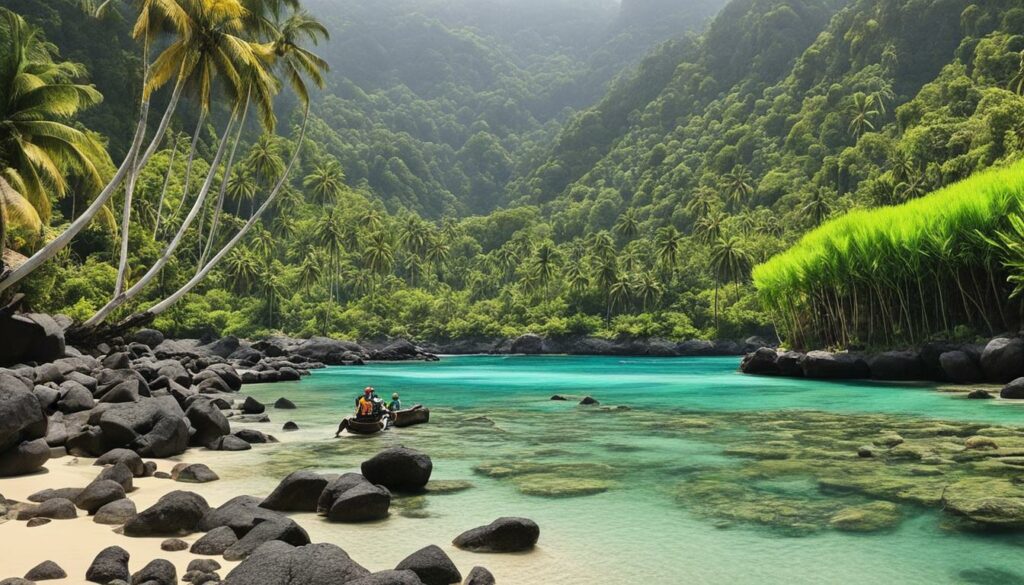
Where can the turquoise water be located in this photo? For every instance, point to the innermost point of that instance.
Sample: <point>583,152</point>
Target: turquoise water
<point>494,426</point>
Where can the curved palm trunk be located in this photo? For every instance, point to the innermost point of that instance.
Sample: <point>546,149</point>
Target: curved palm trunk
<point>169,250</point>
<point>191,284</point>
<point>163,191</point>
<point>223,189</point>
<point>57,244</point>
<point>191,160</point>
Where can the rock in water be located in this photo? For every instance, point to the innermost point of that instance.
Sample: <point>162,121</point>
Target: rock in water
<point>290,426</point>
<point>432,566</point>
<point>1014,390</point>
<point>284,404</point>
<point>175,513</point>
<point>589,401</point>
<point>110,564</point>
<point>979,394</point>
<point>362,503</point>
<point>399,468</point>
<point>528,343</point>
<point>503,535</point>
<point>960,368</point>
<point>896,365</point>
<point>763,362</point>
<point>252,406</point>
<point>298,492</point>
<point>839,366</point>
<point>479,576</point>
<point>277,563</point>
<point>45,571</point>
<point>1003,360</point>
<point>229,443</point>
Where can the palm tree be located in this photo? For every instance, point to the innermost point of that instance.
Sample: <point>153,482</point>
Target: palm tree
<point>242,268</point>
<point>606,274</point>
<point>729,262</point>
<point>15,210</point>
<point>296,62</point>
<point>602,244</point>
<point>310,272</point>
<point>709,228</point>
<point>739,186</point>
<point>273,289</point>
<point>38,95</point>
<point>703,202</point>
<point>545,265</point>
<point>378,255</point>
<point>507,259</point>
<point>438,253</point>
<point>1017,83</point>
<point>619,294</point>
<point>264,160</point>
<point>862,110</point>
<point>817,206</point>
<point>648,289</point>
<point>329,236</point>
<point>326,182</point>
<point>628,224</point>
<point>241,187</point>
<point>667,244</point>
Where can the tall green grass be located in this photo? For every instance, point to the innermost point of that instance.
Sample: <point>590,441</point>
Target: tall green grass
<point>901,274</point>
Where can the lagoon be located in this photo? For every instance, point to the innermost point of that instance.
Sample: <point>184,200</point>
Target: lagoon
<point>691,482</point>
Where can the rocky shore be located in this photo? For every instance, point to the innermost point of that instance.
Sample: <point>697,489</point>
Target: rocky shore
<point>533,344</point>
<point>1000,361</point>
<point>133,403</point>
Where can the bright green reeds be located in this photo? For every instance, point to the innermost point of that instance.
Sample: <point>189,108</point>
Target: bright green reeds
<point>899,275</point>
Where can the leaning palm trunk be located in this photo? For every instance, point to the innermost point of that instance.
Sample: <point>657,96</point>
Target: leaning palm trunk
<point>163,305</point>
<point>125,296</point>
<point>57,244</point>
<point>223,189</point>
<point>163,191</point>
<point>191,161</point>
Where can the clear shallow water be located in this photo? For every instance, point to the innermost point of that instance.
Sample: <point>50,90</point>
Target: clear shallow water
<point>493,414</point>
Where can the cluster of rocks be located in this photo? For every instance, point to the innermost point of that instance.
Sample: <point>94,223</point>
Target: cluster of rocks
<point>531,343</point>
<point>1000,361</point>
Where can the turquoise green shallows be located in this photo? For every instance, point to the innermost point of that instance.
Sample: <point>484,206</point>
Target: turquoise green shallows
<point>613,489</point>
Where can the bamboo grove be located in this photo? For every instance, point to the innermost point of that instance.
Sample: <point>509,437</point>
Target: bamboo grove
<point>941,266</point>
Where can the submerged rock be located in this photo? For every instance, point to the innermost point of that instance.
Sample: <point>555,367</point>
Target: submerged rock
<point>503,535</point>
<point>871,517</point>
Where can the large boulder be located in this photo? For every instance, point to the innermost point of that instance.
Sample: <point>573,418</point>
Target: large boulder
<point>240,514</point>
<point>331,352</point>
<point>130,458</point>
<point>156,572</point>
<point>834,366</point>
<point>501,536</point>
<point>45,571</point>
<point>124,423</point>
<point>1003,360</point>
<point>127,391</point>
<point>27,457</point>
<point>116,512</point>
<point>528,343</point>
<point>388,578</point>
<point>298,492</point>
<point>169,437</point>
<point>960,368</point>
<point>109,565</point>
<point>789,364</point>
<point>277,563</point>
<point>174,372</point>
<point>74,398</point>
<point>208,421</point>
<point>432,566</point>
<point>98,494</point>
<point>763,362</point>
<point>479,576</point>
<point>215,542</point>
<point>362,503</point>
<point>21,416</point>
<point>897,366</point>
<point>174,514</point>
<point>1014,390</point>
<point>399,468</point>
<point>252,406</point>
<point>223,347</point>
<point>335,488</point>
<point>150,337</point>
<point>30,337</point>
<point>281,528</point>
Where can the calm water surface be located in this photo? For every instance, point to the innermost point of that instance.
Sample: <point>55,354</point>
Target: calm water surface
<point>494,412</point>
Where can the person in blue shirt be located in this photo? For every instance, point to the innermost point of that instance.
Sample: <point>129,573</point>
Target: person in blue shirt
<point>395,404</point>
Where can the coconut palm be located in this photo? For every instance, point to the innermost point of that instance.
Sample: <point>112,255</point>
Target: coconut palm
<point>817,206</point>
<point>703,202</point>
<point>326,182</point>
<point>739,185</point>
<point>709,227</point>
<point>17,211</point>
<point>668,243</point>
<point>38,96</point>
<point>310,271</point>
<point>648,289</point>
<point>628,224</point>
<point>730,262</point>
<point>862,110</point>
<point>545,265</point>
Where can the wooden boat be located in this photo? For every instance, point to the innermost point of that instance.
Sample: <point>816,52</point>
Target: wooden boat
<point>364,427</point>
<point>412,416</point>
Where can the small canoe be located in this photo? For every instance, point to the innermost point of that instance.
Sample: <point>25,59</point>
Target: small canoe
<point>364,427</point>
<point>412,416</point>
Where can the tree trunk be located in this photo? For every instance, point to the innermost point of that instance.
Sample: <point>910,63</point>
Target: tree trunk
<point>57,244</point>
<point>169,250</point>
<point>191,160</point>
<point>163,191</point>
<point>191,284</point>
<point>223,188</point>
